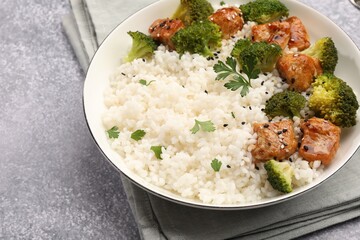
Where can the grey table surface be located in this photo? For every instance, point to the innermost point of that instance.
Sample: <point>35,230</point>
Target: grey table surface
<point>54,182</point>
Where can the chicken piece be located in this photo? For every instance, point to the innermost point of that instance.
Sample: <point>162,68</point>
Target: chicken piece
<point>299,38</point>
<point>320,141</point>
<point>275,32</point>
<point>229,20</point>
<point>274,140</point>
<point>298,70</point>
<point>163,29</point>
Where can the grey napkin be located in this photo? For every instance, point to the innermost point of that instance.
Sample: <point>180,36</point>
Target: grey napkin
<point>335,201</point>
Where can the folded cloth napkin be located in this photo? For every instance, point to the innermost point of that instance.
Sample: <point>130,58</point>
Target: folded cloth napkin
<point>335,201</point>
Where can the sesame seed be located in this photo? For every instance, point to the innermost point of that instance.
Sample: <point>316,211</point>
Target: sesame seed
<point>225,125</point>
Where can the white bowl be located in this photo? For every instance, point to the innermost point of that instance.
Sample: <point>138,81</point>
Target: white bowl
<point>117,44</point>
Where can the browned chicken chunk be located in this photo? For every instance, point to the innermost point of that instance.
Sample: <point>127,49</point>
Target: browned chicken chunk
<point>299,38</point>
<point>321,140</point>
<point>274,140</point>
<point>163,29</point>
<point>229,20</point>
<point>298,70</point>
<point>274,32</point>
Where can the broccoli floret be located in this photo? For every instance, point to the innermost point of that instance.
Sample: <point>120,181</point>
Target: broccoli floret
<point>333,100</point>
<point>287,104</point>
<point>200,37</point>
<point>279,175</point>
<point>142,46</point>
<point>264,11</point>
<point>324,49</point>
<point>266,54</point>
<point>239,46</point>
<point>190,11</point>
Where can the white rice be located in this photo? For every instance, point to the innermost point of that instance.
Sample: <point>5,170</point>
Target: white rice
<point>166,110</point>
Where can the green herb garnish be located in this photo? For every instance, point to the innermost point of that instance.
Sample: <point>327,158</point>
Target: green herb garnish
<point>206,126</point>
<point>233,114</point>
<point>145,83</point>
<point>227,69</point>
<point>113,132</point>
<point>157,151</point>
<point>138,135</point>
<point>222,3</point>
<point>216,164</point>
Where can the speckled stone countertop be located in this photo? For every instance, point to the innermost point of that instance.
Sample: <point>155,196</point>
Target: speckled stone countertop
<point>54,182</point>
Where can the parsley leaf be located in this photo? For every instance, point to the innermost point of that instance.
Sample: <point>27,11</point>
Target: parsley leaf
<point>157,151</point>
<point>145,83</point>
<point>233,114</point>
<point>227,69</point>
<point>216,164</point>
<point>222,3</point>
<point>249,67</point>
<point>113,132</point>
<point>138,135</point>
<point>206,126</point>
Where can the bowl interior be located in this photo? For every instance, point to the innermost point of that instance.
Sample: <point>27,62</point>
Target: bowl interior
<point>117,44</point>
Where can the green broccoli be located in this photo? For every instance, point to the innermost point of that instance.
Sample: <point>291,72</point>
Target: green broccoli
<point>142,46</point>
<point>287,104</point>
<point>324,49</point>
<point>239,46</point>
<point>264,11</point>
<point>333,100</point>
<point>190,11</point>
<point>279,175</point>
<point>266,54</point>
<point>200,37</point>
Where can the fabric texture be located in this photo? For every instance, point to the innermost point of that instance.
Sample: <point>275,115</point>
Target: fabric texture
<point>331,202</point>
